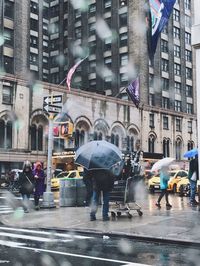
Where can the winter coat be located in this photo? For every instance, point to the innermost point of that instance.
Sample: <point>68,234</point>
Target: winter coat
<point>26,182</point>
<point>102,180</point>
<point>164,178</point>
<point>193,167</point>
<point>39,182</point>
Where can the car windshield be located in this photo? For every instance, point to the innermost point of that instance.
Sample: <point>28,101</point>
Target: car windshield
<point>63,174</point>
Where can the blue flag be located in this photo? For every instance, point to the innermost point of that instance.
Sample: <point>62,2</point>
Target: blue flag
<point>133,91</point>
<point>160,12</point>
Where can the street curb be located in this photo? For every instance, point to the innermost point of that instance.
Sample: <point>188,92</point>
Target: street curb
<point>145,238</point>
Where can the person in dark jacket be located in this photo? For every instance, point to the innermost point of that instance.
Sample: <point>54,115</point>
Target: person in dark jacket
<point>89,189</point>
<point>103,181</point>
<point>39,177</point>
<point>193,177</point>
<point>26,184</point>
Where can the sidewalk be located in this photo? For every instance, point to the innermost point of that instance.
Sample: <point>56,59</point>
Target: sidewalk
<point>181,224</point>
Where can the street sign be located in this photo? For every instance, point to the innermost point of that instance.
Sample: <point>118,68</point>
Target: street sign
<point>54,99</point>
<point>52,108</point>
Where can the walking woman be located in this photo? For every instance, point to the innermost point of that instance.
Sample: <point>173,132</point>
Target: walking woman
<point>26,184</point>
<point>164,178</point>
<point>39,177</point>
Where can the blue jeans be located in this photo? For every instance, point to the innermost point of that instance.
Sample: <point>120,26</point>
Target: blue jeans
<point>193,187</point>
<point>95,202</point>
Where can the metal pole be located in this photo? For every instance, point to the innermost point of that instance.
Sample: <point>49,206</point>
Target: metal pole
<point>48,197</point>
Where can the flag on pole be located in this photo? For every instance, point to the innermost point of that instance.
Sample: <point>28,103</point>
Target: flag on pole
<point>71,72</point>
<point>160,12</point>
<point>133,91</point>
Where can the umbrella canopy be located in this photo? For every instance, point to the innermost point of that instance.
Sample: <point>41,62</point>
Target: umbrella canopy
<point>98,155</point>
<point>162,163</point>
<point>191,153</point>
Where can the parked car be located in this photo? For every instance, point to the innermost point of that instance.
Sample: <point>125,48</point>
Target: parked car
<point>175,177</point>
<point>55,182</point>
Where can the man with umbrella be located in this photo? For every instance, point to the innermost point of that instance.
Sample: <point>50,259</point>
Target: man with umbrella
<point>193,177</point>
<point>98,157</point>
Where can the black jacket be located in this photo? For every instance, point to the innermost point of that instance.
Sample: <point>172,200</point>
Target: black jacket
<point>26,182</point>
<point>102,180</point>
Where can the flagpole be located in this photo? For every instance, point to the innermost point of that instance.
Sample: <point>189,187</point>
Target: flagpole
<point>62,81</point>
<point>119,92</point>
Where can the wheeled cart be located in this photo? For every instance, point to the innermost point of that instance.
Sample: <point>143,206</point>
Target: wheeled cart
<point>122,198</point>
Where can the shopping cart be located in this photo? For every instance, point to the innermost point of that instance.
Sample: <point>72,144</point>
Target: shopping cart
<point>122,198</point>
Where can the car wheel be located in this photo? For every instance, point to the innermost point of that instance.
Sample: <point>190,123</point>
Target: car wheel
<point>151,190</point>
<point>174,188</point>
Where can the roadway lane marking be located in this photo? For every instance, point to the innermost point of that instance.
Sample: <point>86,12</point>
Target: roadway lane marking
<point>20,198</point>
<point>7,243</point>
<point>46,233</point>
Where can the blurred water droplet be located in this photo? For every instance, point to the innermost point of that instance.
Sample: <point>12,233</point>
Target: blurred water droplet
<point>125,246</point>
<point>80,4</point>
<point>18,214</point>
<point>102,29</point>
<point>1,40</point>
<point>38,88</point>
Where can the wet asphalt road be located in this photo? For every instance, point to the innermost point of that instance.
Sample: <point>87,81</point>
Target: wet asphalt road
<point>39,247</point>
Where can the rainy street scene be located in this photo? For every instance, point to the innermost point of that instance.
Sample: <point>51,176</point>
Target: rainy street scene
<point>99,132</point>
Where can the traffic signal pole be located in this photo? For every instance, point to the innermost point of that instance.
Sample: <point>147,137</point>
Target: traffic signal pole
<point>48,197</point>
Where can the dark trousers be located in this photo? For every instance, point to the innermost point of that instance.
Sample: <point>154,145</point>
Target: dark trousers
<point>36,199</point>
<point>95,202</point>
<point>193,188</point>
<point>164,192</point>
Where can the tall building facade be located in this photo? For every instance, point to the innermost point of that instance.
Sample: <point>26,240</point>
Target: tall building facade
<point>42,39</point>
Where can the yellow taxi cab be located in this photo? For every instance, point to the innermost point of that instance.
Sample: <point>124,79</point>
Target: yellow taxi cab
<point>175,177</point>
<point>55,182</point>
<point>183,187</point>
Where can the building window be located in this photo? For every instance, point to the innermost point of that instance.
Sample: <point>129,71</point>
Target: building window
<point>177,86</point>
<point>151,120</point>
<point>151,99</point>
<point>166,143</point>
<point>123,59</point>
<point>34,41</point>
<point>165,102</point>
<point>190,127</point>
<point>178,149</point>
<point>188,91</point>
<point>187,4</point>
<point>123,39</point>
<point>92,28</point>
<point>177,106</point>
<point>176,33</point>
<point>107,82</point>
<point>189,108</point>
<point>8,37</point>
<point>176,15</point>
<point>165,29</point>
<point>107,4</point>
<point>107,44</point>
<point>9,9</point>
<point>92,83</point>
<point>165,84</point>
<point>34,24</point>
<point>92,66</point>
<point>177,51</point>
<point>7,95</point>
<point>151,144</point>
<point>115,139</point>
<point>108,61</point>
<point>58,144</point>
<point>188,55</point>
<point>123,79</point>
<point>188,72</point>
<point>151,80</point>
<point>164,46</point>
<point>187,21</point>
<point>92,8</point>
<point>78,33</point>
<point>187,38</point>
<point>5,134</point>
<point>165,65</point>
<point>9,64</point>
<point>177,69</point>
<point>33,59</point>
<point>178,124</point>
<point>165,122</point>
<point>36,137</point>
<point>123,20</point>
<point>34,7</point>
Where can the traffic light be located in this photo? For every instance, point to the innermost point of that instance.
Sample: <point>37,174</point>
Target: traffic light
<point>66,129</point>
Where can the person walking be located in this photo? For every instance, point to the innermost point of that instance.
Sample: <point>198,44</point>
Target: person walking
<point>88,184</point>
<point>103,181</point>
<point>193,177</point>
<point>26,184</point>
<point>164,178</point>
<point>39,177</point>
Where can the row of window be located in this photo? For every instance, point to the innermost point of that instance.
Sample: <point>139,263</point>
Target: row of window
<point>177,69</point>
<point>166,104</point>
<point>178,123</point>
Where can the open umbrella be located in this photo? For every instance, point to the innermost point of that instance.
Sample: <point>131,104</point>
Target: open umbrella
<point>162,163</point>
<point>98,154</point>
<point>191,153</point>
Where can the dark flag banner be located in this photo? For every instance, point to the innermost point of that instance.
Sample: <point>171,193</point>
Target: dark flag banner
<point>133,91</point>
<point>160,13</point>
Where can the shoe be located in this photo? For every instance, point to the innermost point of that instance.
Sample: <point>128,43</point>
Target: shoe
<point>26,211</point>
<point>106,218</point>
<point>37,208</point>
<point>193,204</point>
<point>92,218</point>
<point>196,202</point>
<point>168,205</point>
<point>158,205</point>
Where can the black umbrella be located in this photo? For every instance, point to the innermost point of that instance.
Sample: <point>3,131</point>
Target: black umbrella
<point>98,155</point>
